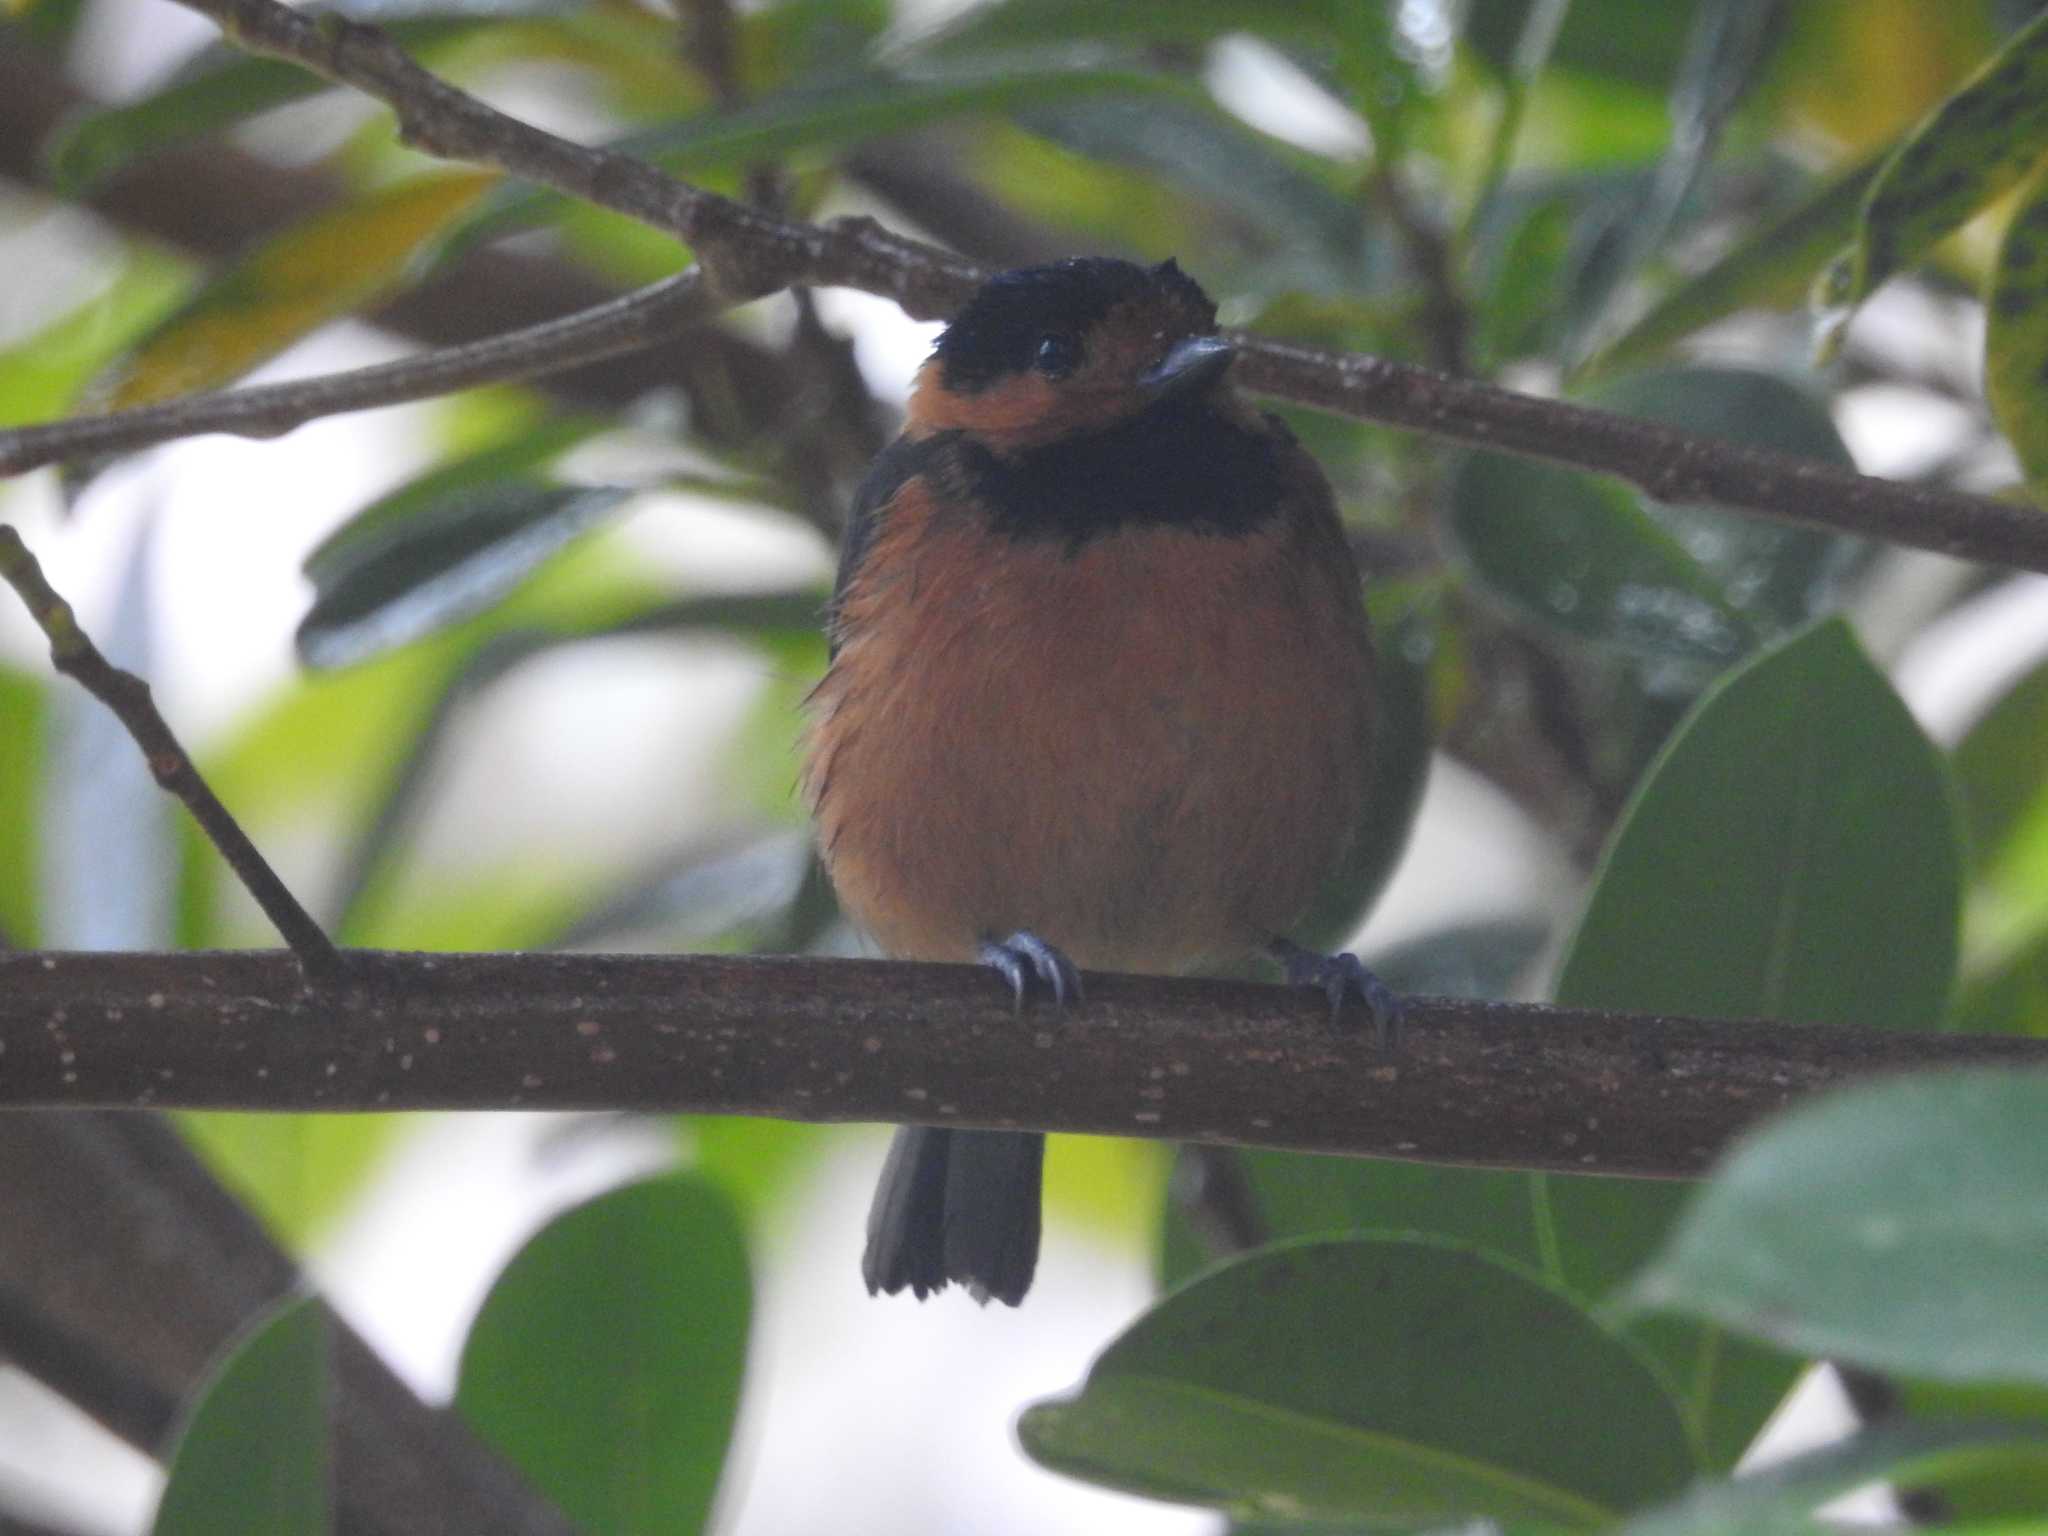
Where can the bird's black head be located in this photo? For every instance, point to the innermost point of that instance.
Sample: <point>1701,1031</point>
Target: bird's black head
<point>1072,346</point>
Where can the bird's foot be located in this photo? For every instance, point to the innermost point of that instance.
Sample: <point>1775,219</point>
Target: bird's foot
<point>1026,961</point>
<point>1341,976</point>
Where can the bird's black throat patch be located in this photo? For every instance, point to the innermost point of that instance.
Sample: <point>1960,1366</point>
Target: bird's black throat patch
<point>1183,464</point>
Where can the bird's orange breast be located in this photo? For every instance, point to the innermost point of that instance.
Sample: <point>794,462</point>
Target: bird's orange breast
<point>1148,750</point>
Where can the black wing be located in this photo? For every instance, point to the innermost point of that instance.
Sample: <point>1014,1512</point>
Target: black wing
<point>901,461</point>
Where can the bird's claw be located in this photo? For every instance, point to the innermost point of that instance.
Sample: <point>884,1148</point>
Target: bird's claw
<point>1025,960</point>
<point>1342,976</point>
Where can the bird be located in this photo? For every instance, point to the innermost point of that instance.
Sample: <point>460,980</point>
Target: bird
<point>1100,695</point>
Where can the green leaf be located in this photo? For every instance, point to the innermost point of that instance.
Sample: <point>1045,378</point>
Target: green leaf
<point>299,1172</point>
<point>756,1161</point>
<point>1521,315</point>
<point>1388,1380</point>
<point>1777,576</point>
<point>2008,995</point>
<point>442,558</point>
<point>1783,1496</point>
<point>24,709</point>
<point>2016,338</point>
<point>1898,1225</point>
<point>1771,268</point>
<point>1579,553</point>
<point>224,86</point>
<point>1620,40</point>
<point>2014,1484</point>
<point>606,1361</point>
<point>42,375</point>
<point>1999,767</point>
<point>1974,146</point>
<point>252,1454</point>
<point>1793,854</point>
<point>1038,23</point>
<point>1312,229</point>
<point>2004,783</point>
<point>1725,48</point>
<point>319,270</point>
<point>1377,76</point>
<point>837,112</point>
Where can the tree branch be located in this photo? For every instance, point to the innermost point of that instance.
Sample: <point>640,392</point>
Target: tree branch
<point>127,1270</point>
<point>746,253</point>
<point>624,324</point>
<point>73,653</point>
<point>836,1040</point>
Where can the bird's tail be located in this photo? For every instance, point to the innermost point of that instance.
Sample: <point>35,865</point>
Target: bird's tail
<point>956,1205</point>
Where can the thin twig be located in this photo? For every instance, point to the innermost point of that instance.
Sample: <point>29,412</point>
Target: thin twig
<point>1446,321</point>
<point>1497,1084</point>
<point>746,253</point>
<point>622,325</point>
<point>73,653</point>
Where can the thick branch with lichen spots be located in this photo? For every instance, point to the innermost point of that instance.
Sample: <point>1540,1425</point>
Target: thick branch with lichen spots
<point>1497,1084</point>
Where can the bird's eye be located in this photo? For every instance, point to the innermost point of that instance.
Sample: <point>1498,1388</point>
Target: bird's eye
<point>1056,356</point>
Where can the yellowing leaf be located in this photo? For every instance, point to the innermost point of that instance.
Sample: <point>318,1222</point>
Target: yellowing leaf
<point>329,266</point>
<point>1837,48</point>
<point>1977,144</point>
<point>2016,345</point>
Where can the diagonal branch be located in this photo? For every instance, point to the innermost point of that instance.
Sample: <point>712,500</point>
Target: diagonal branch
<point>1498,1084</point>
<point>128,696</point>
<point>746,252</point>
<point>625,324</point>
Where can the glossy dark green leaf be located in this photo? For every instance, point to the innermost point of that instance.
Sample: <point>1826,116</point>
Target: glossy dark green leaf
<point>1772,268</point>
<point>1580,554</point>
<point>1777,576</point>
<point>1384,1380</point>
<point>23,718</point>
<point>1793,854</point>
<point>2016,342</point>
<point>1784,1496</point>
<point>253,1452</point>
<point>606,1361</point>
<point>451,557</point>
<point>1800,834</point>
<point>1897,1225</point>
<point>393,518</point>
<point>1974,146</point>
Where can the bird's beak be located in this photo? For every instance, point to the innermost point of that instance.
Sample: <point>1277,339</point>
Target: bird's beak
<point>1190,365</point>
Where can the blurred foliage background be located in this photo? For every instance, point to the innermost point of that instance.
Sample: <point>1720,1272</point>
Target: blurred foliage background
<point>520,669</point>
